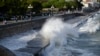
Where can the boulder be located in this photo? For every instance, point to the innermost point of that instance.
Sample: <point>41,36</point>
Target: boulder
<point>38,42</point>
<point>5,52</point>
<point>30,50</point>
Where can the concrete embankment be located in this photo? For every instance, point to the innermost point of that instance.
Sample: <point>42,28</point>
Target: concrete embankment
<point>15,28</point>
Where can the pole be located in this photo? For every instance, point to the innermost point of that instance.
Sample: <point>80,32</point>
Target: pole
<point>30,7</point>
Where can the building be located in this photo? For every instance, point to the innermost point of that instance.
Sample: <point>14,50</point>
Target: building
<point>88,3</point>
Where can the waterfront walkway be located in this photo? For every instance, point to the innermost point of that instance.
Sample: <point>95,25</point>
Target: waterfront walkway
<point>14,21</point>
<point>35,18</point>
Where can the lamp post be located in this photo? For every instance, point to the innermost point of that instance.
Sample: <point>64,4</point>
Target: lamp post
<point>64,8</point>
<point>72,8</point>
<point>52,7</point>
<point>30,7</point>
<point>79,0</point>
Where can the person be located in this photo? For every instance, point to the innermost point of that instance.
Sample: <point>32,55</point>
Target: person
<point>4,22</point>
<point>16,19</point>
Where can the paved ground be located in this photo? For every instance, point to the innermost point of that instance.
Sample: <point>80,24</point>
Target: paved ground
<point>11,22</point>
<point>14,21</point>
<point>34,18</point>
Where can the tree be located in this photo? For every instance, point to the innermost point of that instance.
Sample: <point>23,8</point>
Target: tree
<point>3,8</point>
<point>13,7</point>
<point>16,7</point>
<point>37,6</point>
<point>79,5</point>
<point>23,7</point>
<point>60,3</point>
<point>46,5</point>
<point>55,3</point>
<point>2,3</point>
<point>49,3</point>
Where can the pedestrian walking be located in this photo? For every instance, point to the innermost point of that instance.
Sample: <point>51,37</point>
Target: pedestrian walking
<point>4,22</point>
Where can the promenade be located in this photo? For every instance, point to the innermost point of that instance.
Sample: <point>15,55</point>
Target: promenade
<point>36,18</point>
<point>18,21</point>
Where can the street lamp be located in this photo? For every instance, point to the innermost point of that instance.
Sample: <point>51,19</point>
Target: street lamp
<point>30,7</point>
<point>52,7</point>
<point>64,8</point>
<point>79,0</point>
<point>72,8</point>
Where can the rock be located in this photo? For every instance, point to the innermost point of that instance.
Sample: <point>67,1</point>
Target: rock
<point>35,45</point>
<point>30,50</point>
<point>5,52</point>
<point>18,53</point>
<point>38,42</point>
<point>75,53</point>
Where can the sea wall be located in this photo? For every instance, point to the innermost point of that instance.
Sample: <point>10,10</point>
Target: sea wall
<point>15,28</point>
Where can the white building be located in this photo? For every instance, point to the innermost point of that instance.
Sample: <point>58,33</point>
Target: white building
<point>87,3</point>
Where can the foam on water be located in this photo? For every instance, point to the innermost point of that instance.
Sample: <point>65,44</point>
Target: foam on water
<point>81,52</point>
<point>18,41</point>
<point>92,24</point>
<point>58,32</point>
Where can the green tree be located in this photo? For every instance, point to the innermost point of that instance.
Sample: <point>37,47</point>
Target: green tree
<point>60,3</point>
<point>79,5</point>
<point>46,5</point>
<point>11,5</point>
<point>72,3</point>
<point>16,7</point>
<point>2,3</point>
<point>22,7</point>
<point>49,3</point>
<point>37,6</point>
<point>55,3</point>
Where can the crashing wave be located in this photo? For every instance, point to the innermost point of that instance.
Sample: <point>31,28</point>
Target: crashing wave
<point>58,32</point>
<point>92,24</point>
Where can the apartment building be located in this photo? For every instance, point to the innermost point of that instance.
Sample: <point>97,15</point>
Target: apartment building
<point>87,3</point>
